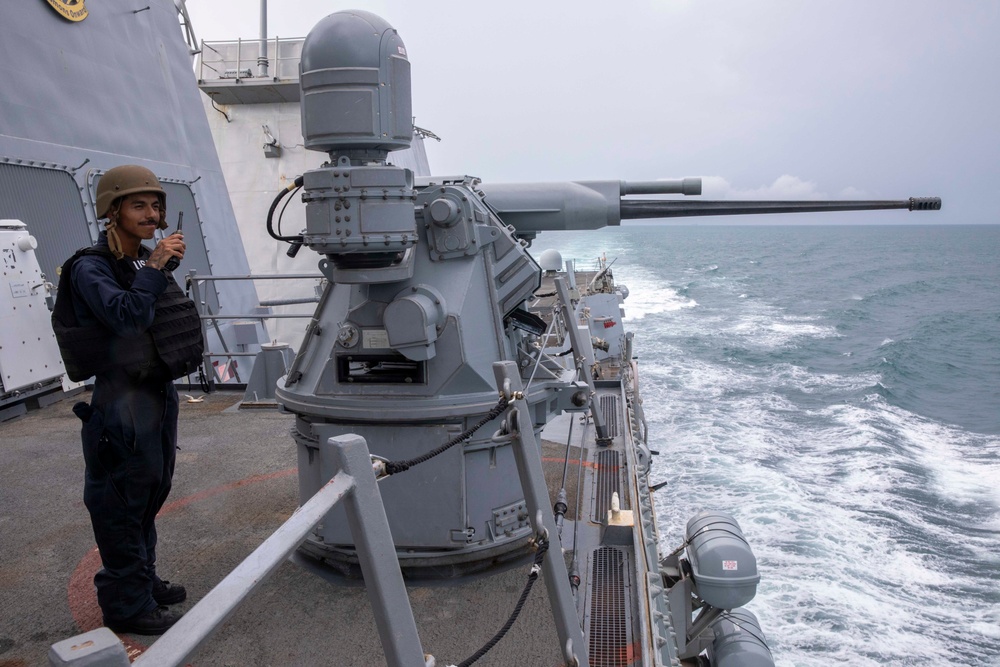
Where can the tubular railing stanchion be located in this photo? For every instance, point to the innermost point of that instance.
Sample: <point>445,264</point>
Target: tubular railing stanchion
<point>536,496</point>
<point>583,352</point>
<point>196,297</point>
<point>376,553</point>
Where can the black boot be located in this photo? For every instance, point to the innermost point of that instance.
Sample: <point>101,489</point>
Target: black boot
<point>166,593</point>
<point>154,622</point>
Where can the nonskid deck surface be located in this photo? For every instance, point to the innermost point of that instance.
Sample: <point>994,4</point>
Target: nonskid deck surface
<point>234,485</point>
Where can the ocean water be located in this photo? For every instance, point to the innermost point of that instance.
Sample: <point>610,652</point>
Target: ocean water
<point>837,389</point>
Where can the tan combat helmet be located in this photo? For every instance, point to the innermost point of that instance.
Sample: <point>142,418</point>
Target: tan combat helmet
<point>118,182</point>
<point>128,179</point>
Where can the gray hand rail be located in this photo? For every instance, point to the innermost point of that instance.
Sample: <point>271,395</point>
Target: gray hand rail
<point>354,485</point>
<point>208,318</point>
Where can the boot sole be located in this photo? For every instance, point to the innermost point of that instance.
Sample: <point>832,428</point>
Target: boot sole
<point>165,600</point>
<point>137,630</point>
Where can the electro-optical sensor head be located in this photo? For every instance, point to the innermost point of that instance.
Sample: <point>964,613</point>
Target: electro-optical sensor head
<point>355,82</point>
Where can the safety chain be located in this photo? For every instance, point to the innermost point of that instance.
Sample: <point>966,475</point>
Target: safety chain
<point>536,567</point>
<point>392,467</point>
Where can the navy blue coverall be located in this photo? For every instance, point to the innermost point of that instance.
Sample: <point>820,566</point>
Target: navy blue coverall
<point>129,437</point>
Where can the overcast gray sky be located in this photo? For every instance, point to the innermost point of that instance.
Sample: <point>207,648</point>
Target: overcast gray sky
<point>770,98</point>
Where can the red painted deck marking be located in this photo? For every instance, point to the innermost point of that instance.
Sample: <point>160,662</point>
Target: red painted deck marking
<point>80,592</point>
<point>556,459</point>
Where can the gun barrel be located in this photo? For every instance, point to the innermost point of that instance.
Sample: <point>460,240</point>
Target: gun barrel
<point>646,209</point>
<point>681,186</point>
<point>537,207</point>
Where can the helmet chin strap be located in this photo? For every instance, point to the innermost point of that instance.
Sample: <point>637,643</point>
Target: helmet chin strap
<point>162,224</point>
<point>114,242</point>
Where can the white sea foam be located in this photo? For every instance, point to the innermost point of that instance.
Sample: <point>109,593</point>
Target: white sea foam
<point>845,576</point>
<point>802,379</point>
<point>764,326</point>
<point>962,469</point>
<point>648,296</point>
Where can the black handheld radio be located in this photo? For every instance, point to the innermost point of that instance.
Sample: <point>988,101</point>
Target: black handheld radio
<point>174,262</point>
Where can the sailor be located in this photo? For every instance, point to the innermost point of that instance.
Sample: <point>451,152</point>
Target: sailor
<point>135,331</point>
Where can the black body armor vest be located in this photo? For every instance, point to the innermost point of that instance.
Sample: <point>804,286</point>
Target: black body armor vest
<point>170,348</point>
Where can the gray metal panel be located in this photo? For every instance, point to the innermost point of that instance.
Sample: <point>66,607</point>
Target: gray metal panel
<point>48,202</point>
<point>250,91</point>
<point>180,198</point>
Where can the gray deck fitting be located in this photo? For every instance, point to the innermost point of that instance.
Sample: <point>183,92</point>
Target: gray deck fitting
<point>536,496</point>
<point>99,647</point>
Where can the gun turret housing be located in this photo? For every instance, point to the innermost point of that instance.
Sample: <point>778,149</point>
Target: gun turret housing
<point>429,280</point>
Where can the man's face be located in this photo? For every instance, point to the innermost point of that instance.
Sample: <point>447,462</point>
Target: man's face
<point>138,217</point>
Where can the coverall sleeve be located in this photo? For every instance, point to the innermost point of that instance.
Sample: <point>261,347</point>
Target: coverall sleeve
<point>129,312</point>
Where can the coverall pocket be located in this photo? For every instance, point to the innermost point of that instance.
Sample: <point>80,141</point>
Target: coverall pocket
<point>104,454</point>
<point>91,435</point>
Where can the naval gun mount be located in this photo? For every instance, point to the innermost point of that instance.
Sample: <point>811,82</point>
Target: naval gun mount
<point>428,285</point>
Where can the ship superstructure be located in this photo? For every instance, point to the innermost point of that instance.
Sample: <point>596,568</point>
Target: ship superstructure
<point>78,98</point>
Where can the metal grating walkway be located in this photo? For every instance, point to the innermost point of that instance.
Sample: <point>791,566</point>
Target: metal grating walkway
<point>610,638</point>
<point>609,409</point>
<point>608,483</point>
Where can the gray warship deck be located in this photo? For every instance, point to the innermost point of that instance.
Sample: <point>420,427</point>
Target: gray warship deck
<point>234,485</point>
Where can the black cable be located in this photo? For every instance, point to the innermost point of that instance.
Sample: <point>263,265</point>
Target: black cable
<point>392,467</point>
<point>297,183</point>
<point>228,119</point>
<point>708,526</point>
<point>202,380</point>
<point>284,206</point>
<point>536,567</point>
